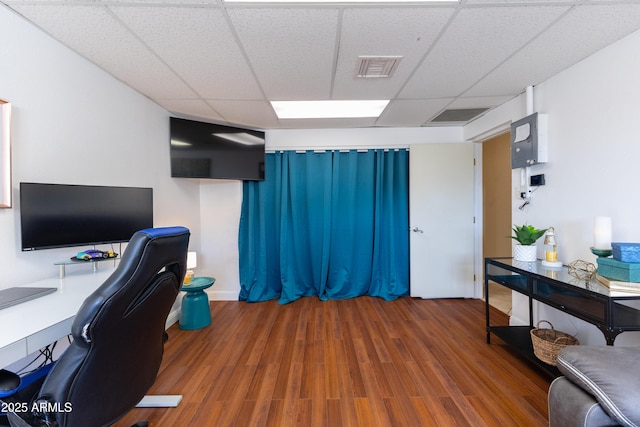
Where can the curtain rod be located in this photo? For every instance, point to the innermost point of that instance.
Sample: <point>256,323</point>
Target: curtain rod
<point>342,150</point>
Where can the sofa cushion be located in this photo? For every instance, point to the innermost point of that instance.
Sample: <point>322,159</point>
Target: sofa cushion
<point>571,406</point>
<point>610,374</point>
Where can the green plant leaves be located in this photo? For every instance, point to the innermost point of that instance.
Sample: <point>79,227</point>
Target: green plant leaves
<point>527,234</point>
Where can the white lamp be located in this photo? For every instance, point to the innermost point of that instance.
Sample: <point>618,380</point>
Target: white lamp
<point>602,237</point>
<point>602,233</point>
<point>192,262</point>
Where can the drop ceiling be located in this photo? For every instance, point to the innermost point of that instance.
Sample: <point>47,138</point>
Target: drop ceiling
<point>224,63</point>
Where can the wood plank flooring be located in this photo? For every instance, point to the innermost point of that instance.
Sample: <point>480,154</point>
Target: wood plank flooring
<point>358,362</point>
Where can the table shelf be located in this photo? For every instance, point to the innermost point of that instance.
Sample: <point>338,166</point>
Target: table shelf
<point>612,312</point>
<point>92,262</point>
<point>519,338</point>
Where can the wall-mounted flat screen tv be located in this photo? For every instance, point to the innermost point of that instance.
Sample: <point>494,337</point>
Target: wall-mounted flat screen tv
<point>60,215</point>
<point>207,150</point>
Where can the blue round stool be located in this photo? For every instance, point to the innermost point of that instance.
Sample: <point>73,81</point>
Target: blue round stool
<point>196,312</point>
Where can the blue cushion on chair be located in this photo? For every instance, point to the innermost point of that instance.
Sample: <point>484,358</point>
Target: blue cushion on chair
<point>164,231</point>
<point>610,374</point>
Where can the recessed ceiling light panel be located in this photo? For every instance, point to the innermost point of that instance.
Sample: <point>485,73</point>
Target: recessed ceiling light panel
<point>328,109</point>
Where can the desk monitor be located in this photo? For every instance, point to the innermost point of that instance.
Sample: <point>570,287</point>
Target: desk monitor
<point>60,215</point>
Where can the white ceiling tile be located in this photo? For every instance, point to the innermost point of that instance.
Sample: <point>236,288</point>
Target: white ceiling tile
<point>190,108</point>
<point>479,101</point>
<point>361,122</point>
<point>110,2</point>
<point>477,39</point>
<point>411,112</point>
<point>583,31</point>
<point>516,2</point>
<point>406,32</point>
<point>198,45</point>
<point>163,2</point>
<point>291,50</point>
<point>256,114</point>
<point>94,33</point>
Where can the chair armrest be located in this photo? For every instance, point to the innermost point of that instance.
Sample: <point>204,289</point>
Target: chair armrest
<point>610,374</point>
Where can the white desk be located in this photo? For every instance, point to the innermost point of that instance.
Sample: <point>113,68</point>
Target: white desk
<point>27,327</point>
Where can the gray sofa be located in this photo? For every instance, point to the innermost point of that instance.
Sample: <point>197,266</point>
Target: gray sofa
<point>600,387</point>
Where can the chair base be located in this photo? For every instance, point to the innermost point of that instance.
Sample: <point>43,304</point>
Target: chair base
<point>160,401</point>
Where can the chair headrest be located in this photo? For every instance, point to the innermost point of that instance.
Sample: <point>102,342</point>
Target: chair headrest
<point>164,231</point>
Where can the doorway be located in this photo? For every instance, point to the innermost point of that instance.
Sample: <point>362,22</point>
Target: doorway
<point>496,209</point>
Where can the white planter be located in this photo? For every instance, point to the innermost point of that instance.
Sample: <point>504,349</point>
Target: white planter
<point>525,253</point>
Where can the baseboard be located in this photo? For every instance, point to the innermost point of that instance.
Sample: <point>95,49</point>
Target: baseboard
<point>514,321</point>
<point>222,295</point>
<point>173,317</point>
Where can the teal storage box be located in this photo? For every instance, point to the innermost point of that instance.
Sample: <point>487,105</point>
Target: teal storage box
<point>618,270</point>
<point>626,252</point>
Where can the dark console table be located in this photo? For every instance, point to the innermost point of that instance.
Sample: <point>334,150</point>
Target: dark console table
<point>611,311</point>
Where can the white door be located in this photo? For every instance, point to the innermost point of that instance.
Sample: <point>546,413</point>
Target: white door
<point>441,220</point>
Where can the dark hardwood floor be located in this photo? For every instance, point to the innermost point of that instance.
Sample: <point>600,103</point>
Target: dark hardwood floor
<point>358,362</point>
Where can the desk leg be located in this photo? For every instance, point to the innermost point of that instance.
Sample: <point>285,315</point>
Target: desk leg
<point>530,312</point>
<point>609,334</point>
<point>486,308</point>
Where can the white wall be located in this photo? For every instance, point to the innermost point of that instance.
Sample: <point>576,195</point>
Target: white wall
<point>594,147</point>
<point>72,123</point>
<point>221,200</point>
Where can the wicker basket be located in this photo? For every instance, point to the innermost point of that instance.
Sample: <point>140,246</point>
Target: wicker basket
<point>547,343</point>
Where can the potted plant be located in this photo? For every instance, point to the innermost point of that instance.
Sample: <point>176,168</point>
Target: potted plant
<point>526,236</point>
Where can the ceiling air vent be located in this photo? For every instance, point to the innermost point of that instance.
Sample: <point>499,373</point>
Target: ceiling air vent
<point>459,115</point>
<point>376,66</point>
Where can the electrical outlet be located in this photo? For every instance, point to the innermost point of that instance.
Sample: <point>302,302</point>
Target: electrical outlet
<point>517,190</point>
<point>521,192</point>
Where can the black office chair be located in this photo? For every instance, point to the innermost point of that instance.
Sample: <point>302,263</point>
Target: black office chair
<point>118,337</point>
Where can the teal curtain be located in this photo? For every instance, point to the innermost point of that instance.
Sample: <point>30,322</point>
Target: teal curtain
<point>331,224</point>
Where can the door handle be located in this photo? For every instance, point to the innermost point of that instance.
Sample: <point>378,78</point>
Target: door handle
<point>416,230</point>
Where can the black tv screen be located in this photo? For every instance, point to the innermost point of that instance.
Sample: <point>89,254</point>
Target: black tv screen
<point>59,215</point>
<point>207,150</point>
